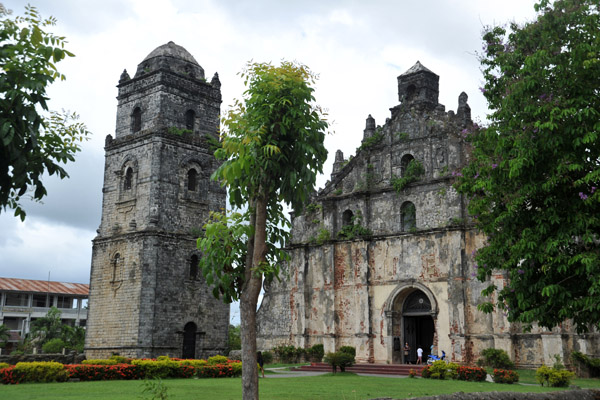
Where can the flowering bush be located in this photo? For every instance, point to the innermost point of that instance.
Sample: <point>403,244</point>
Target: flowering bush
<point>505,376</point>
<point>34,372</point>
<point>4,365</point>
<point>87,372</point>
<point>471,374</point>
<point>215,360</point>
<point>100,362</point>
<point>163,367</point>
<point>227,370</point>
<point>412,373</point>
<point>9,376</point>
<point>440,370</point>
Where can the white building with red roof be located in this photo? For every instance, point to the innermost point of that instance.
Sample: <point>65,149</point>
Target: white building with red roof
<point>22,301</point>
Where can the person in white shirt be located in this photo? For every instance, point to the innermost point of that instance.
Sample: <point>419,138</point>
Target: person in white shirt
<point>419,355</point>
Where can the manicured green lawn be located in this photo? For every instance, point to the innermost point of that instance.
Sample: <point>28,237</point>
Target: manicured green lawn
<point>341,386</point>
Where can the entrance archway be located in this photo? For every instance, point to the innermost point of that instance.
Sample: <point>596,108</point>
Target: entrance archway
<point>412,320</point>
<point>189,340</point>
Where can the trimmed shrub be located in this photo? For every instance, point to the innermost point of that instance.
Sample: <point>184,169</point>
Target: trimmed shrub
<point>226,370</point>
<point>315,352</point>
<point>505,376</point>
<point>120,359</point>
<point>194,363</point>
<point>90,372</point>
<point>8,376</point>
<point>102,361</point>
<point>440,370</point>
<point>267,357</point>
<point>53,346</point>
<point>288,354</point>
<point>553,377</point>
<point>216,360</point>
<point>496,358</point>
<point>475,374</point>
<point>162,368</point>
<point>349,350</point>
<point>339,359</point>
<point>49,371</point>
<point>4,365</point>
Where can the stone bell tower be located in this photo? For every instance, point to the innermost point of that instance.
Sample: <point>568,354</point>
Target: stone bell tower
<point>147,296</point>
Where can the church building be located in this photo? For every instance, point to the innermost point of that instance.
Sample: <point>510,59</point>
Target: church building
<point>383,254</point>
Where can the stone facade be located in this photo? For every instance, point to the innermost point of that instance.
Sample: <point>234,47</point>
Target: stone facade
<point>147,297</point>
<point>406,277</point>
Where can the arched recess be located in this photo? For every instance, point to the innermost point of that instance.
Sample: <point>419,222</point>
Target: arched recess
<point>404,161</point>
<point>189,340</point>
<point>136,119</point>
<point>193,179</point>
<point>347,217</point>
<point>411,313</point>
<point>190,119</point>
<point>408,216</point>
<point>128,178</point>
<point>193,270</point>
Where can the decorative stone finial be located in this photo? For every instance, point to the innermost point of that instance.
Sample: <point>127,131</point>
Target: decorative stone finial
<point>370,123</point>
<point>339,156</point>
<point>462,99</point>
<point>215,81</point>
<point>124,76</point>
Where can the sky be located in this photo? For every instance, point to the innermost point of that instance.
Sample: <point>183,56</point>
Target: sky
<point>358,48</point>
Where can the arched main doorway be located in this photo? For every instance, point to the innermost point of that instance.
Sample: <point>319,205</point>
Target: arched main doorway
<point>412,323</point>
<point>189,340</point>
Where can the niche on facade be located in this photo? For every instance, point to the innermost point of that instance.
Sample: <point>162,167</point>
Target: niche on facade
<point>127,178</point>
<point>408,217</point>
<point>193,183</point>
<point>190,119</point>
<point>136,120</point>
<point>116,271</point>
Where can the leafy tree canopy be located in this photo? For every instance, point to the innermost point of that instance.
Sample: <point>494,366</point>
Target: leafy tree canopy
<point>33,139</point>
<point>534,172</point>
<point>271,150</point>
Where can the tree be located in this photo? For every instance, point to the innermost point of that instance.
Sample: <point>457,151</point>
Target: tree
<point>48,327</point>
<point>33,140</point>
<point>4,335</point>
<point>533,174</point>
<point>234,340</point>
<point>271,148</point>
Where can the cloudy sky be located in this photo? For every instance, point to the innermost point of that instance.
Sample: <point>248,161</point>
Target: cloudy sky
<point>358,48</point>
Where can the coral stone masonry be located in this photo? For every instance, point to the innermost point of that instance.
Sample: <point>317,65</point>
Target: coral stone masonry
<point>382,257</point>
<point>147,297</point>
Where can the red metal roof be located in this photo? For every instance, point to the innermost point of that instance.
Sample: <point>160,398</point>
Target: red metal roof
<point>28,285</point>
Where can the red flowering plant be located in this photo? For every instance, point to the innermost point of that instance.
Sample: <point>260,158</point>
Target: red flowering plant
<point>505,376</point>
<point>471,374</point>
<point>230,369</point>
<point>10,376</point>
<point>87,372</point>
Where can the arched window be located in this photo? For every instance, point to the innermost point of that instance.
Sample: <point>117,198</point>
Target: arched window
<point>416,302</point>
<point>406,159</point>
<point>128,179</point>
<point>194,267</point>
<point>190,116</point>
<point>410,92</point>
<point>136,119</point>
<point>408,216</point>
<point>192,180</point>
<point>347,217</point>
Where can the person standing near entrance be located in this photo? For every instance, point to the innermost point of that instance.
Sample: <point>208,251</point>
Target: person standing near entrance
<point>419,355</point>
<point>406,353</point>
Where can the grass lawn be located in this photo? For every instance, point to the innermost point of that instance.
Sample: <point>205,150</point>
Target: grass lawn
<point>341,386</point>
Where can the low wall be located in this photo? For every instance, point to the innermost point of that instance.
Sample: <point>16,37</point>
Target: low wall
<point>61,358</point>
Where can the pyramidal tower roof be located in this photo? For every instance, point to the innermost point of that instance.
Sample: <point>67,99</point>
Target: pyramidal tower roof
<point>418,67</point>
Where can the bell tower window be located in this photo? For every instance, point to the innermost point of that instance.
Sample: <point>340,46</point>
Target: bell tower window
<point>128,179</point>
<point>190,116</point>
<point>136,120</point>
<point>192,181</point>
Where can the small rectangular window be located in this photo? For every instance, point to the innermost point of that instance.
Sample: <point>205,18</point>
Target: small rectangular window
<point>17,300</point>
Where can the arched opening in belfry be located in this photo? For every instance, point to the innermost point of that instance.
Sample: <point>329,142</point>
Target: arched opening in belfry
<point>136,119</point>
<point>410,92</point>
<point>347,217</point>
<point>189,340</point>
<point>412,326</point>
<point>190,117</point>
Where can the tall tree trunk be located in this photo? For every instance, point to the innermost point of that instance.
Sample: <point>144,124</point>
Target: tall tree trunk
<point>249,298</point>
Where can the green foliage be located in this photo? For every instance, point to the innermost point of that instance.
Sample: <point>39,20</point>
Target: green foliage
<point>120,359</point>
<point>178,131</point>
<point>215,360</point>
<point>4,365</point>
<point>339,359</point>
<point>349,350</point>
<point>312,207</point>
<point>288,354</point>
<point>4,335</point>
<point>33,140</point>
<point>53,346</point>
<point>267,357</point>
<point>323,236</point>
<point>47,371</point>
<point>440,370</point>
<point>496,358</point>
<point>155,390</point>
<point>315,352</point>
<point>48,327</point>
<point>553,377</point>
<point>162,368</point>
<point>534,171</point>
<point>338,192</point>
<point>402,136</point>
<point>505,376</point>
<point>593,364</point>
<point>371,141</point>
<point>414,171</point>
<point>354,229</point>
<point>234,339</point>
<point>100,361</point>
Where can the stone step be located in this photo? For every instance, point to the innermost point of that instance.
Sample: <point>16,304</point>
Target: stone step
<point>379,369</point>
